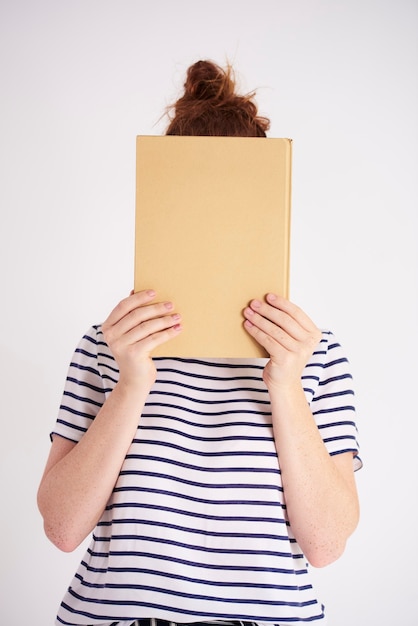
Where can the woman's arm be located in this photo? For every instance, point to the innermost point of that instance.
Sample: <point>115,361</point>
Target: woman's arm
<point>320,491</point>
<point>79,478</point>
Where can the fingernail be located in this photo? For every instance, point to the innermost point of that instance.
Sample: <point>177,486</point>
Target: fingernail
<point>151,293</point>
<point>168,305</point>
<point>256,304</point>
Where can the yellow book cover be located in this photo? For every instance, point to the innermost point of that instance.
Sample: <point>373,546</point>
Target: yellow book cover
<point>212,232</point>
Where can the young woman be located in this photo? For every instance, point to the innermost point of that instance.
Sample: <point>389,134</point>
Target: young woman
<point>208,485</point>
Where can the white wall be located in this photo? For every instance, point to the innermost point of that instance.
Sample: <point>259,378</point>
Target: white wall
<point>79,80</point>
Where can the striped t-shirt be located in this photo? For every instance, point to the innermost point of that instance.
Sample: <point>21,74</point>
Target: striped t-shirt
<point>196,527</point>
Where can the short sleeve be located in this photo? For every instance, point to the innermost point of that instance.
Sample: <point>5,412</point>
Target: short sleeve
<point>333,402</point>
<point>84,393</point>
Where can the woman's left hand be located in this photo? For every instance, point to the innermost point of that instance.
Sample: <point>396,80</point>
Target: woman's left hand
<point>286,333</point>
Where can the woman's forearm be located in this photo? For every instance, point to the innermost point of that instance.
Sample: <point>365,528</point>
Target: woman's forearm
<point>319,490</point>
<point>320,493</point>
<point>77,482</point>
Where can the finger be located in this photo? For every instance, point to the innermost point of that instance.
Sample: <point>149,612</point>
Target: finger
<point>291,309</point>
<point>150,327</point>
<point>267,333</point>
<point>279,318</point>
<point>157,338</point>
<point>311,333</point>
<point>141,314</point>
<point>126,305</point>
<point>138,324</point>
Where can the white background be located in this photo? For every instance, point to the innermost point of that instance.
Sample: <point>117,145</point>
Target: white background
<point>79,80</point>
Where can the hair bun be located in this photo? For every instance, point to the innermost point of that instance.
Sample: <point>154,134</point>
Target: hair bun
<point>210,105</point>
<point>207,81</point>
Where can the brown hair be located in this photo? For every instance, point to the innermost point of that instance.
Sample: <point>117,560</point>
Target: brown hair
<point>210,106</point>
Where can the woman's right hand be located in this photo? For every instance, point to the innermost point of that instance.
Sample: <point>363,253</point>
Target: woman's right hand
<point>134,328</point>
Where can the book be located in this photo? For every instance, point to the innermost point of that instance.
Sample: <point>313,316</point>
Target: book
<point>212,232</point>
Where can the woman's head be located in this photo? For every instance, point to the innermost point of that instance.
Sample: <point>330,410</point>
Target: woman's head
<point>211,106</point>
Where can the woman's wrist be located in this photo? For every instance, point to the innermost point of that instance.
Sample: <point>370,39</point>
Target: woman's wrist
<point>137,383</point>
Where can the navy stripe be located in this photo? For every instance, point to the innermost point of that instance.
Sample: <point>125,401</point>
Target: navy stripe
<point>90,339</point>
<point>212,413</point>
<point>181,420</point>
<point>182,496</point>
<point>335,409</point>
<point>85,368</point>
<point>199,581</point>
<point>91,355</point>
<point>211,566</point>
<point>164,429</point>
<point>342,451</point>
<point>105,364</point>
<point>187,546</point>
<point>334,363</point>
<point>182,512</point>
<point>193,596</point>
<point>69,409</point>
<point>232,390</point>
<point>199,468</point>
<point>170,370</point>
<point>213,364</point>
<point>339,438</point>
<point>171,394</point>
<point>82,383</point>
<point>112,380</point>
<point>334,379</point>
<point>198,484</point>
<point>208,454</point>
<point>82,399</point>
<point>187,529</point>
<point>310,377</point>
<point>73,426</point>
<point>332,424</point>
<point>335,394</point>
<point>203,613</point>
